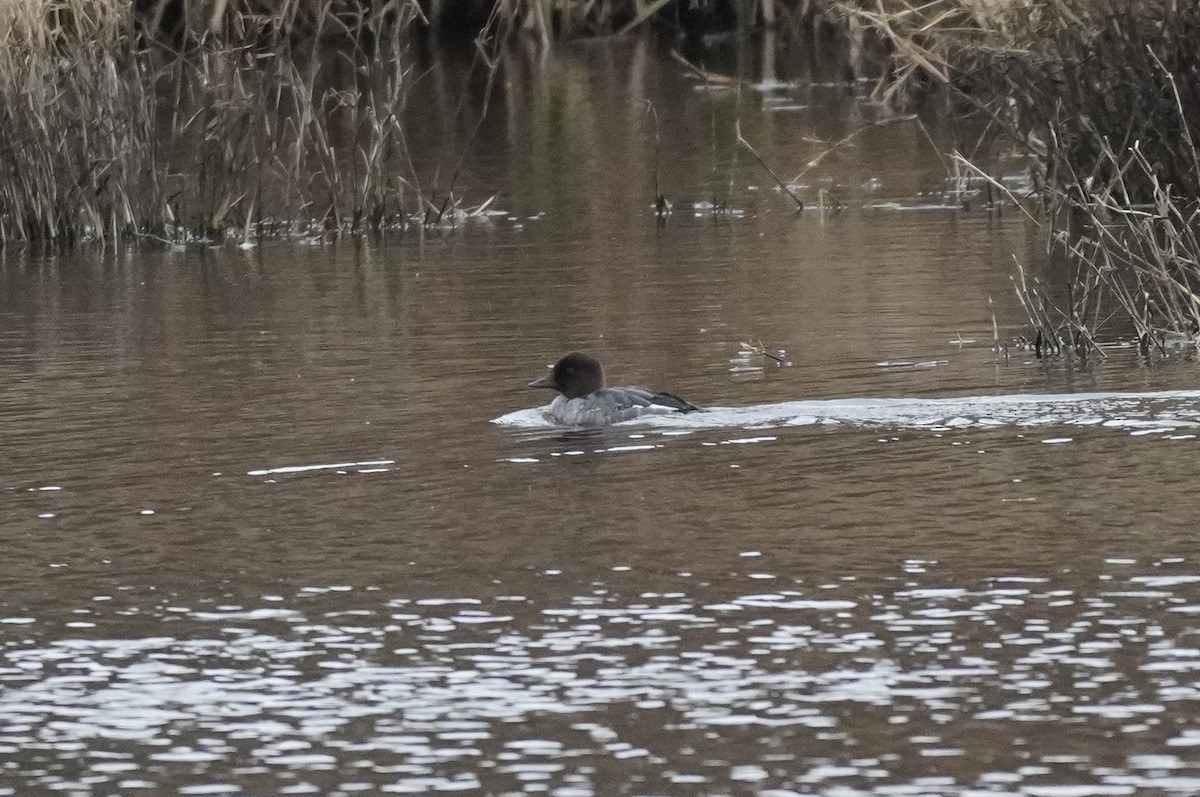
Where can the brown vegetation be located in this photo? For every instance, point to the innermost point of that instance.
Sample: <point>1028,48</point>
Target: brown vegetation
<point>1105,95</point>
<point>103,140</point>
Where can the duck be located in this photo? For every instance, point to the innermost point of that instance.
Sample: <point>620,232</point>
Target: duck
<point>585,399</point>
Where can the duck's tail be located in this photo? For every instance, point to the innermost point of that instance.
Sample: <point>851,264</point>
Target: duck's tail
<point>671,400</point>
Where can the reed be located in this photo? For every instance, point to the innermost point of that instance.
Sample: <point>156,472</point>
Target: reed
<point>1104,96</point>
<point>1143,257</point>
<point>1060,78</point>
<point>103,140</point>
<point>74,124</point>
<point>547,20</point>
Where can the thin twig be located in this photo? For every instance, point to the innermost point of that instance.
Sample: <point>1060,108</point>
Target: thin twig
<point>759,348</point>
<point>957,157</point>
<point>782,185</point>
<point>820,156</point>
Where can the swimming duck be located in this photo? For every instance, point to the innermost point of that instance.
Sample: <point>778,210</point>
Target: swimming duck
<point>584,399</point>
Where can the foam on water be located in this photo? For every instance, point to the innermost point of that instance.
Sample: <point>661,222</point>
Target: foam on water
<point>1165,410</point>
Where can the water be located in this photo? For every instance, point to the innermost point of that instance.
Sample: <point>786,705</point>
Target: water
<point>262,536</point>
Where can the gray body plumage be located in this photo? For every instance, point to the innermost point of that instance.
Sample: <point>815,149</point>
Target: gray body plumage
<point>612,405</point>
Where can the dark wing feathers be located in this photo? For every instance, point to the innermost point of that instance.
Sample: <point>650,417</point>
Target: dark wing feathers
<point>671,400</point>
<point>639,397</point>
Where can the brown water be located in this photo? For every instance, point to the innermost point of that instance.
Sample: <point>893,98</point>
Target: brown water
<point>260,535</point>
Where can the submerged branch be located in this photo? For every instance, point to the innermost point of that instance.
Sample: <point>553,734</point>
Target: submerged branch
<point>994,183</point>
<point>761,350</point>
<point>820,156</point>
<point>782,185</point>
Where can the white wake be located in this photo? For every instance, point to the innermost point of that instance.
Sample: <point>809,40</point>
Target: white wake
<point>1165,410</point>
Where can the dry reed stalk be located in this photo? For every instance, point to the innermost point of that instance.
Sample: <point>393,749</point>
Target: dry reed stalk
<point>1105,95</point>
<point>778,180</point>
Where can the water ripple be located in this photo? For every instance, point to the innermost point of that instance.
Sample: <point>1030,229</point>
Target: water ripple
<point>830,687</point>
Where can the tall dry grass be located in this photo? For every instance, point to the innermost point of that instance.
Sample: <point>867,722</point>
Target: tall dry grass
<point>102,139</point>
<point>76,128</point>
<point>1104,95</point>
